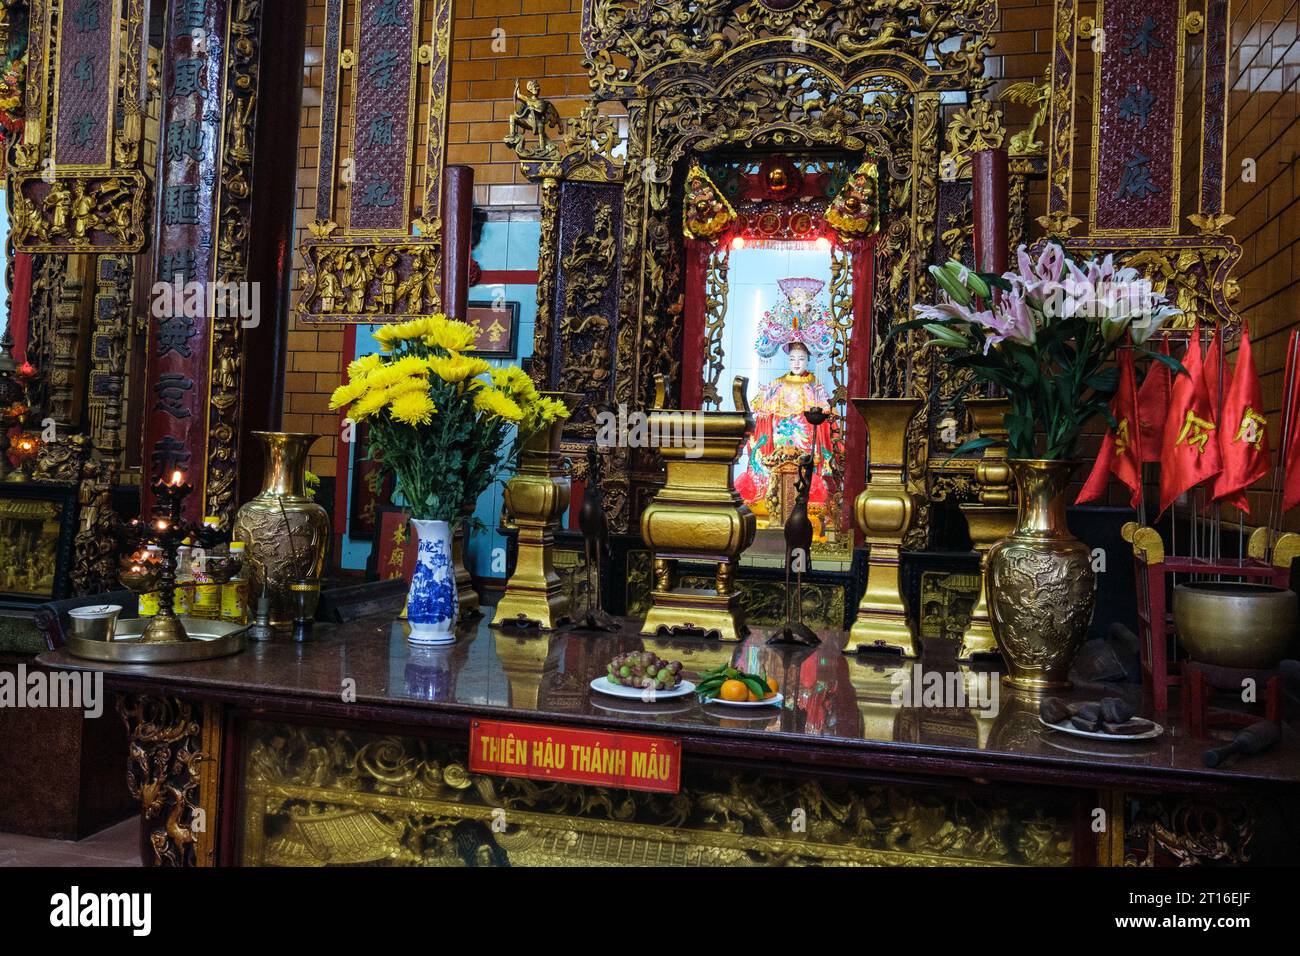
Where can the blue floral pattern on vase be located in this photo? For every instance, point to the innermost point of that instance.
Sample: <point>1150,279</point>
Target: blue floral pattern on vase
<point>431,603</point>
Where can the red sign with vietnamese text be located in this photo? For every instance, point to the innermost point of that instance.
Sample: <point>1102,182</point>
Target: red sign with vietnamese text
<point>631,761</point>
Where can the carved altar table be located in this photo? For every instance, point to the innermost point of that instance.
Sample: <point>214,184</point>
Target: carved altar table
<point>354,749</point>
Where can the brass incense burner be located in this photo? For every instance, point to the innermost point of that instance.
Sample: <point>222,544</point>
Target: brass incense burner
<point>536,497</point>
<point>884,514</point>
<point>698,516</point>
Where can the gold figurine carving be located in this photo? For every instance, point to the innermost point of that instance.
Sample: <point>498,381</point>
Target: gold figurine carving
<point>698,516</point>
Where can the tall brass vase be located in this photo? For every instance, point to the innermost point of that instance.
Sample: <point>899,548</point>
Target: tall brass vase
<point>536,497</point>
<point>1040,582</point>
<point>286,534</point>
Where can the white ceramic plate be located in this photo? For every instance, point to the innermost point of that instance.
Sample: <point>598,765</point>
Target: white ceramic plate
<point>1155,730</point>
<point>603,685</point>
<point>770,702</point>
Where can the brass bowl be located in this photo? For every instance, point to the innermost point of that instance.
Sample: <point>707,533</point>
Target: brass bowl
<point>1235,624</point>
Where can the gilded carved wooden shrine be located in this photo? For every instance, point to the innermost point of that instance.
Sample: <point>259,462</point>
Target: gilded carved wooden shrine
<point>375,250</point>
<point>759,91</point>
<point>78,184</point>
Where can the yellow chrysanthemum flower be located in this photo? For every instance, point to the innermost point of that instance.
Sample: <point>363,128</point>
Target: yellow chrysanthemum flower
<point>370,403</point>
<point>390,373</point>
<point>364,365</point>
<point>457,368</point>
<point>552,408</point>
<point>412,408</point>
<point>408,386</point>
<point>492,402</point>
<point>349,393</point>
<point>451,335</point>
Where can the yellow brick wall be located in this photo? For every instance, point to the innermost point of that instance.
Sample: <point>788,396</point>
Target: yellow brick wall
<point>1264,126</point>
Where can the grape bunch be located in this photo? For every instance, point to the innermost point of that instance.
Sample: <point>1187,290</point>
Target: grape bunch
<point>643,669</point>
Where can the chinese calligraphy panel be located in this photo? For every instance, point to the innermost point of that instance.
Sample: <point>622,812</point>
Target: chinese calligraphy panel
<point>1138,117</point>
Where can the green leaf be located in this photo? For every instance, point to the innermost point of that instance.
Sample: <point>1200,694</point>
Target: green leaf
<point>1174,365</point>
<point>1106,380</point>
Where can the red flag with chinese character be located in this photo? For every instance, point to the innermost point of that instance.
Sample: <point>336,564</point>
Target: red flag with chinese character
<point>1153,405</point>
<point>1215,377</point>
<point>1121,451</point>
<point>1291,422</point>
<point>1243,436</point>
<point>1191,450</point>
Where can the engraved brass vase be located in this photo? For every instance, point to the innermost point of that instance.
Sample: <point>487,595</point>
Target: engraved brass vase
<point>286,534</point>
<point>1040,582</point>
<point>536,497</point>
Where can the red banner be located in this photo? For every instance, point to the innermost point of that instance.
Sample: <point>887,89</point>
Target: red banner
<point>601,758</point>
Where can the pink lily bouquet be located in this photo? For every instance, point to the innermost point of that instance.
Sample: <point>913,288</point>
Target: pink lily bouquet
<point>1045,334</point>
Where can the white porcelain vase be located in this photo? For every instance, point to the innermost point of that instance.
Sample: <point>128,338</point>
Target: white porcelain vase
<point>431,601</point>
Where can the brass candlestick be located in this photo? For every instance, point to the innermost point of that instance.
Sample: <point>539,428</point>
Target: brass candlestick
<point>884,514</point>
<point>167,529</point>
<point>536,497</point>
<point>698,516</point>
<point>989,521</point>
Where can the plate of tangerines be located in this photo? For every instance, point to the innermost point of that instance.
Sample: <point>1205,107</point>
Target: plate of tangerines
<point>735,688</point>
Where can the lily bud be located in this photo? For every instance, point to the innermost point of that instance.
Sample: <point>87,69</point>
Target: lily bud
<point>946,336</point>
<point>956,291</point>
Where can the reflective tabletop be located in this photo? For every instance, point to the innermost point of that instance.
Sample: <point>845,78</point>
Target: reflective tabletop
<point>854,709</point>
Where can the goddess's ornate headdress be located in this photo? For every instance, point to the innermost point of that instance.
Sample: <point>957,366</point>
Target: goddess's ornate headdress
<point>784,325</point>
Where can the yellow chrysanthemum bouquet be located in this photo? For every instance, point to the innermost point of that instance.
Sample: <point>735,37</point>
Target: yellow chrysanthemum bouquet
<point>439,419</point>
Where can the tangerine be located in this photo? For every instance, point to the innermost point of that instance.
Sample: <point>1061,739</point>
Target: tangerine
<point>733,690</point>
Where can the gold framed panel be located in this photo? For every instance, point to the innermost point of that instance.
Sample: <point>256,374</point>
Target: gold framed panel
<point>350,62</point>
<point>113,77</point>
<point>1176,142</point>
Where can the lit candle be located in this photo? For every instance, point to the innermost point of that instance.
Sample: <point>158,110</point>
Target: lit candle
<point>177,478</point>
<point>162,524</point>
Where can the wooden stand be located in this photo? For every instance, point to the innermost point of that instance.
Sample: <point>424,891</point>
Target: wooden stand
<point>1202,680</point>
<point>1155,614</point>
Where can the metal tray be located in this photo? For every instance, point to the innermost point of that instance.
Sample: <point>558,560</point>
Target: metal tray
<point>210,639</point>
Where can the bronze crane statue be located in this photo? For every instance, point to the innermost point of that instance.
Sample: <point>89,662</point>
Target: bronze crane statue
<point>595,545</point>
<point>798,548</point>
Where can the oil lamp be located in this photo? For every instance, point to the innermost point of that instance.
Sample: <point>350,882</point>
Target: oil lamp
<point>154,569</point>
<point>23,447</point>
